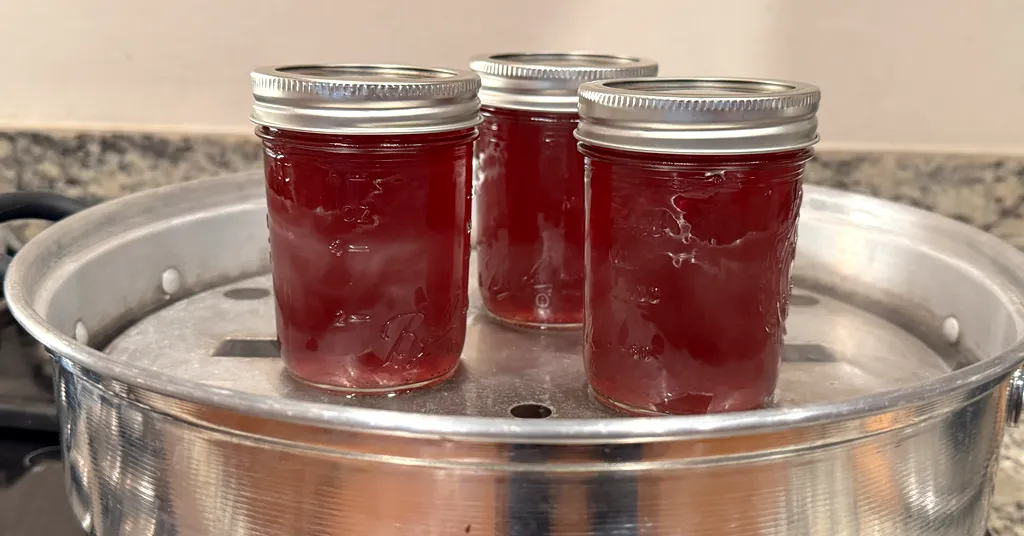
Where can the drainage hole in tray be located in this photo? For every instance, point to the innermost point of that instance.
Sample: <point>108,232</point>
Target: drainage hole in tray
<point>246,293</point>
<point>248,348</point>
<point>530,411</point>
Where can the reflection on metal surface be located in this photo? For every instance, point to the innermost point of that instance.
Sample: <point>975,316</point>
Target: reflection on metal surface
<point>1015,398</point>
<point>152,473</point>
<point>807,353</point>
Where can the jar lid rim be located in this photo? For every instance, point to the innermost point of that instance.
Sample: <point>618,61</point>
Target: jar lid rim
<point>549,81</point>
<point>364,98</point>
<point>699,115</point>
<point>581,65</point>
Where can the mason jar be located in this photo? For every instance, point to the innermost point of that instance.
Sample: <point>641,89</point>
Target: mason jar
<point>529,192</point>
<point>693,193</point>
<point>368,196</point>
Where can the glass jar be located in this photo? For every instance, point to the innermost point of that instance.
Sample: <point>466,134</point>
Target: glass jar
<point>529,189</point>
<point>693,193</point>
<point>368,196</point>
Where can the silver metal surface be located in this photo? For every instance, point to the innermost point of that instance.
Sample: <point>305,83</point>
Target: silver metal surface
<point>158,444</point>
<point>549,81</point>
<point>1015,398</point>
<point>365,99</point>
<point>223,337</point>
<point>698,115</point>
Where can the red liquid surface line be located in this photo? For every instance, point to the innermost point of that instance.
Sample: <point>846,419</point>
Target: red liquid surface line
<point>689,264</point>
<point>531,218</point>
<point>369,241</point>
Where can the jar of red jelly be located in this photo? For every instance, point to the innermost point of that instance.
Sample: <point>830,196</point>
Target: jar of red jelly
<point>368,196</point>
<point>529,189</point>
<point>693,193</point>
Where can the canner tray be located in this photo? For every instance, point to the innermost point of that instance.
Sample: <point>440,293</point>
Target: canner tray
<point>844,339</point>
<point>837,347</point>
<point>899,374</point>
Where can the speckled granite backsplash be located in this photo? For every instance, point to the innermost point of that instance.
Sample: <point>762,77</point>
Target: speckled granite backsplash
<point>101,166</point>
<point>984,191</point>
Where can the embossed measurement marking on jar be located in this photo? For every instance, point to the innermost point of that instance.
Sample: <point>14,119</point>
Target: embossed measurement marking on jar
<point>358,214</point>
<point>340,248</point>
<point>342,319</point>
<point>361,189</point>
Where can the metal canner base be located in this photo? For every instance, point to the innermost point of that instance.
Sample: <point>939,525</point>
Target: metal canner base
<point>904,339</point>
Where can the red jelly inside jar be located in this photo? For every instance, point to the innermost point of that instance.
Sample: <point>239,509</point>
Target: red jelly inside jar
<point>369,237</point>
<point>530,210</point>
<point>530,186</point>
<point>689,277</point>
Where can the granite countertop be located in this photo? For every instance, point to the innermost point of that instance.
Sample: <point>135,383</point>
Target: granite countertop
<point>984,191</point>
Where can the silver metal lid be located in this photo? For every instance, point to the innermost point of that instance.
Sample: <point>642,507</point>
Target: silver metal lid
<point>548,82</point>
<point>698,115</point>
<point>365,99</point>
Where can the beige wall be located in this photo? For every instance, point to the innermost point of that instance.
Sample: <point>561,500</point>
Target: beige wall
<point>916,74</point>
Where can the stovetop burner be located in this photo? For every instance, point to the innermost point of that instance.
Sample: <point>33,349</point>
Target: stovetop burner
<point>32,497</point>
<point>26,383</point>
